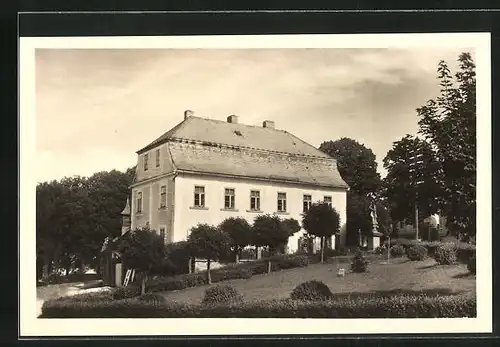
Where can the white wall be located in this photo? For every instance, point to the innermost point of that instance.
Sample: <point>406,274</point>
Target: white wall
<point>186,217</point>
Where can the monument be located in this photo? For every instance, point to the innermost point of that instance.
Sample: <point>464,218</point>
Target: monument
<point>374,239</point>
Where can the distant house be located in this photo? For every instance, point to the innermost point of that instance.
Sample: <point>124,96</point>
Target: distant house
<point>203,171</point>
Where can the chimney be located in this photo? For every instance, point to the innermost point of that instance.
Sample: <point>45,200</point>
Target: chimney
<point>232,119</point>
<point>268,124</point>
<point>187,114</point>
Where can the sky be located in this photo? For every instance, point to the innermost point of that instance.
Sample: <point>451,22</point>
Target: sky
<point>96,107</point>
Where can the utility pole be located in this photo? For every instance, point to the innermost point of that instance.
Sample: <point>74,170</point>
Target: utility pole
<point>415,166</point>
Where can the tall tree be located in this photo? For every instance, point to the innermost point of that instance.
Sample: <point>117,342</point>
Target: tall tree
<point>356,163</point>
<point>408,184</point>
<point>448,122</point>
<point>358,167</point>
<point>321,220</point>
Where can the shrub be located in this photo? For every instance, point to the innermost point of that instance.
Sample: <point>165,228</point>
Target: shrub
<point>465,251</point>
<point>126,292</point>
<point>359,262</point>
<point>365,306</point>
<point>380,250</point>
<point>221,294</point>
<point>284,262</point>
<point>176,261</point>
<point>471,265</point>
<point>416,253</point>
<point>151,297</point>
<point>311,290</point>
<point>446,254</point>
<point>397,251</point>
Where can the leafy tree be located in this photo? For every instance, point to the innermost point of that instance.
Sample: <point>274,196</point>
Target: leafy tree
<point>141,249</point>
<point>448,123</point>
<point>75,215</point>
<point>291,225</point>
<point>321,220</point>
<point>208,242</point>
<point>268,231</point>
<point>240,232</point>
<point>356,163</point>
<point>407,183</point>
<point>358,167</point>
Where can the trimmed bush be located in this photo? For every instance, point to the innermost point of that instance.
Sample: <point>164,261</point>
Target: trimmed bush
<point>359,263</point>
<point>366,306</point>
<point>126,292</point>
<point>151,297</point>
<point>380,250</point>
<point>471,265</point>
<point>416,253</point>
<point>221,294</point>
<point>311,290</point>
<point>397,251</point>
<point>446,254</point>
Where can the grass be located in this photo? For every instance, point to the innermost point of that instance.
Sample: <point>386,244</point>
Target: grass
<point>399,276</point>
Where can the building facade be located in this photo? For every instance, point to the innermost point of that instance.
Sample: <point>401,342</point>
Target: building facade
<point>203,171</point>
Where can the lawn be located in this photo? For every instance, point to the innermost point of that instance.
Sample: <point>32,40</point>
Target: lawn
<point>401,274</point>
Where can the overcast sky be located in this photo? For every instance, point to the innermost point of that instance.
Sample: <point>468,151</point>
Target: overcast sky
<point>96,108</point>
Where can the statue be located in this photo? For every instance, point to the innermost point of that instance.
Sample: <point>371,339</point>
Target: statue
<point>373,211</point>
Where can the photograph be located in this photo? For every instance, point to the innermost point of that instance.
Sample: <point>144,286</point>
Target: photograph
<point>309,177</point>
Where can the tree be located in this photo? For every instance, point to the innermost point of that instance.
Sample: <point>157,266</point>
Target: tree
<point>268,231</point>
<point>321,220</point>
<point>358,167</point>
<point>356,163</point>
<point>75,215</point>
<point>408,184</point>
<point>292,226</point>
<point>208,242</point>
<point>141,249</point>
<point>448,123</point>
<point>240,232</point>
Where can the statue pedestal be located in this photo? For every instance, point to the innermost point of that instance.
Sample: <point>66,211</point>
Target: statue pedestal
<point>374,240</point>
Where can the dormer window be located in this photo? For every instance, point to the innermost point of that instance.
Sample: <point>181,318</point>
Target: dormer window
<point>146,162</point>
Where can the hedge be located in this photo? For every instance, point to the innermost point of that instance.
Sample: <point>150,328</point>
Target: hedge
<point>464,250</point>
<point>369,306</point>
<point>230,272</point>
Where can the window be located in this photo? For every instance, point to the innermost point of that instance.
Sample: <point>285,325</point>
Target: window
<point>328,200</point>
<point>162,233</point>
<point>163,196</point>
<point>307,203</point>
<point>158,157</point>
<point>229,199</point>
<point>281,202</point>
<point>255,200</point>
<point>146,162</point>
<point>139,202</point>
<point>199,196</point>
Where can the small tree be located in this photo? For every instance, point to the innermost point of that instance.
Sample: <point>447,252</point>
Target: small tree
<point>292,226</point>
<point>240,233</point>
<point>321,220</point>
<point>142,249</point>
<point>208,242</point>
<point>268,230</point>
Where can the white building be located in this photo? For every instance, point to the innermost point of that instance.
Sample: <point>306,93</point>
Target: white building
<point>203,171</point>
